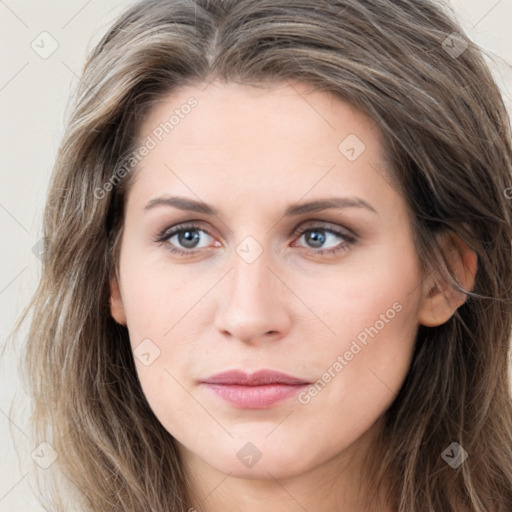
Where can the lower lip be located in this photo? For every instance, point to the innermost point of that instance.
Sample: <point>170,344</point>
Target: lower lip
<point>255,397</point>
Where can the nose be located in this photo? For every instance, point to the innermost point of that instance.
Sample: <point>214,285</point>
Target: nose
<point>253,306</point>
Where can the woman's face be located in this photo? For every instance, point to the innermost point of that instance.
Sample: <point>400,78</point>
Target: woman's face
<point>266,278</point>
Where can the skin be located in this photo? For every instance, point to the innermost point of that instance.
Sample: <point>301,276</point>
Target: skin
<point>251,153</point>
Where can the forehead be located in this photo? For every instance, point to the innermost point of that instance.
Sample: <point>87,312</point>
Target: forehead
<point>230,137</point>
<point>253,115</point>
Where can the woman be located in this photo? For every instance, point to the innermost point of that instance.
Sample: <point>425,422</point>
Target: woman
<point>277,265</point>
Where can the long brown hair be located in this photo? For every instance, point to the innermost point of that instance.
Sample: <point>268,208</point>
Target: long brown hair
<point>409,66</point>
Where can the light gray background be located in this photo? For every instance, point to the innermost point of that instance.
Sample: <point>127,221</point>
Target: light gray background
<point>33,100</point>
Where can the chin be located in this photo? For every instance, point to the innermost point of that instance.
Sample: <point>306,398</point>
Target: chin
<point>258,459</point>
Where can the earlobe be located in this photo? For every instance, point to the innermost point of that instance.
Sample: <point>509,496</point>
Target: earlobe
<point>440,299</point>
<point>116,304</point>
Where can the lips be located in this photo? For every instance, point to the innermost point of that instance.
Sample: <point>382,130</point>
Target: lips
<point>260,390</point>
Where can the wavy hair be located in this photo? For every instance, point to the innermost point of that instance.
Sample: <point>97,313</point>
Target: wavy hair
<point>403,63</point>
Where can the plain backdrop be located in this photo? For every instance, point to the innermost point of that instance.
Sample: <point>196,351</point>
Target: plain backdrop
<point>43,46</point>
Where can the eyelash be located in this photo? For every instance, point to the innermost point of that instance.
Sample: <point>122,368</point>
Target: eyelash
<point>167,234</point>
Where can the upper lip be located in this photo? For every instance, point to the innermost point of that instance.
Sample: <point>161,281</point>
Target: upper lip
<point>261,377</point>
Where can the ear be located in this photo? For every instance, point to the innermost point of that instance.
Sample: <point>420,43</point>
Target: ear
<point>116,304</point>
<point>440,299</point>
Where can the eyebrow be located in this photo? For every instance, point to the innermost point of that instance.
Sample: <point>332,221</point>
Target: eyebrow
<point>183,203</point>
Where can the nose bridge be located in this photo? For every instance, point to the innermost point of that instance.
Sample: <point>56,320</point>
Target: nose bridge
<point>252,284</point>
<point>250,276</point>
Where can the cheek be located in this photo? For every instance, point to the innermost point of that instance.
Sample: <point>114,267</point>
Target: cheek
<point>375,293</point>
<point>163,305</point>
<point>157,293</point>
<point>370,365</point>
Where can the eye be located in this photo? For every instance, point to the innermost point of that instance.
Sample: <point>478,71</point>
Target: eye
<point>325,240</point>
<point>186,236</point>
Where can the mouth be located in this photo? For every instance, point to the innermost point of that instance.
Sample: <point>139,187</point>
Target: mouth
<point>259,390</point>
